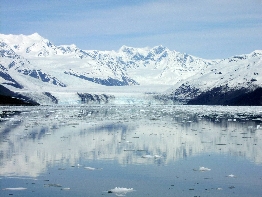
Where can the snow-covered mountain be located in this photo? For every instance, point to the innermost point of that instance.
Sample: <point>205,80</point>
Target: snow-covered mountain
<point>230,81</point>
<point>35,67</point>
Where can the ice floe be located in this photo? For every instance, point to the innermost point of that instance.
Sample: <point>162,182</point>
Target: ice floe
<point>66,188</point>
<point>151,156</point>
<point>15,188</point>
<point>91,168</point>
<point>202,169</point>
<point>120,191</point>
<point>148,156</point>
<point>231,176</point>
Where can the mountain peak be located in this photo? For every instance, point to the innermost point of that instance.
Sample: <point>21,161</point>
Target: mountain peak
<point>258,52</point>
<point>20,37</point>
<point>35,36</point>
<point>124,48</point>
<point>159,49</point>
<point>133,51</point>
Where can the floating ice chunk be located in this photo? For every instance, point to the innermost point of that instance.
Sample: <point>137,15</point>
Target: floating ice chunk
<point>202,169</point>
<point>66,188</point>
<point>121,191</point>
<point>231,176</point>
<point>219,188</point>
<point>15,188</point>
<point>89,168</point>
<point>147,156</point>
<point>157,156</point>
<point>151,156</point>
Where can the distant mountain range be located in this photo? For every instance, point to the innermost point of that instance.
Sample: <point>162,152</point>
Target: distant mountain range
<point>33,68</point>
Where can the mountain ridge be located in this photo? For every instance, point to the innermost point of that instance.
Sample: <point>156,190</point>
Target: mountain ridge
<point>34,64</point>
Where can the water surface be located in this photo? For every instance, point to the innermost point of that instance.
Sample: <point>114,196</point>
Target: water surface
<point>156,150</point>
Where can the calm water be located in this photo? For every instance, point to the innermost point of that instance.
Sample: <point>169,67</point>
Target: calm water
<point>156,150</point>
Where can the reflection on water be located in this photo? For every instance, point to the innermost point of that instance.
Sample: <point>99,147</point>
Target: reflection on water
<point>35,140</point>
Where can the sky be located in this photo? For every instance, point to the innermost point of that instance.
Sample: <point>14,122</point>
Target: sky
<point>209,29</point>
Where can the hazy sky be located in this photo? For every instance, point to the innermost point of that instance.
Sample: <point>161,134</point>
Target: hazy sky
<point>204,28</point>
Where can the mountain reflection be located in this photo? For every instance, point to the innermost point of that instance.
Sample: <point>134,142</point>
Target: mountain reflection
<point>40,137</point>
